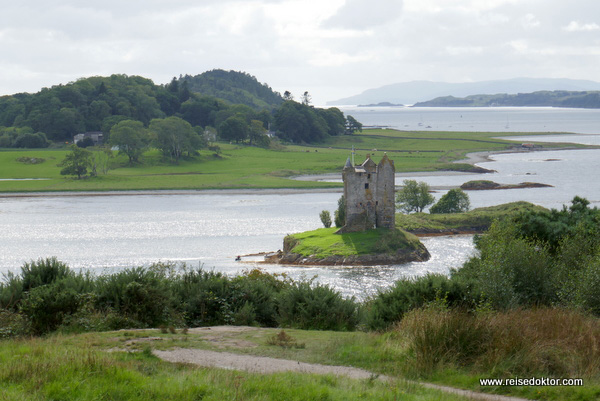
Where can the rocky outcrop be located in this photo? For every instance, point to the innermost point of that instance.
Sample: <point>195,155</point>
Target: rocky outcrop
<point>487,185</point>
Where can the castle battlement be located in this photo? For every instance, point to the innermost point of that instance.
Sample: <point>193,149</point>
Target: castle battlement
<point>370,192</point>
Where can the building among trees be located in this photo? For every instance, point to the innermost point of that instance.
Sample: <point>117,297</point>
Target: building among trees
<point>369,190</point>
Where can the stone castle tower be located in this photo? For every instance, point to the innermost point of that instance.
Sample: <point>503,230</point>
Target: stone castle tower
<point>369,190</point>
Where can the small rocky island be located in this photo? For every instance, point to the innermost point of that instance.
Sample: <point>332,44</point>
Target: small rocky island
<point>369,236</point>
<point>481,185</point>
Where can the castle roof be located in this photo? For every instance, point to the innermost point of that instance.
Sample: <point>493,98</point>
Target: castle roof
<point>348,163</point>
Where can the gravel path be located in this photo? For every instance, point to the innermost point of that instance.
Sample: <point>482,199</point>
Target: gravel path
<point>265,365</point>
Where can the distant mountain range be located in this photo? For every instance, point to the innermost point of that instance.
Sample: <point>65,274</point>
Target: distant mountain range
<point>421,91</point>
<point>577,99</point>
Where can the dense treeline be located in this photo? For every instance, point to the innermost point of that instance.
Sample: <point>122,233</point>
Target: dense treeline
<point>231,104</point>
<point>234,87</point>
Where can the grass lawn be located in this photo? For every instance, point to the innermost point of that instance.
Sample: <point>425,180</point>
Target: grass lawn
<point>248,167</point>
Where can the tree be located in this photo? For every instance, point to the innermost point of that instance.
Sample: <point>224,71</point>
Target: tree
<point>234,128</point>
<point>101,160</point>
<point>175,136</point>
<point>340,213</point>
<point>306,98</point>
<point>414,196</point>
<point>287,95</point>
<point>352,125</point>
<point>76,162</point>
<point>131,138</point>
<point>257,133</point>
<point>325,217</point>
<point>455,201</point>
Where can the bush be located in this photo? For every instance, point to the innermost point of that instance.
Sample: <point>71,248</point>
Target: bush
<point>315,307</point>
<point>46,306</point>
<point>325,217</point>
<point>13,324</point>
<point>203,298</point>
<point>257,290</point>
<point>340,213</point>
<point>389,306</point>
<point>42,272</point>
<point>510,271</point>
<point>141,294</point>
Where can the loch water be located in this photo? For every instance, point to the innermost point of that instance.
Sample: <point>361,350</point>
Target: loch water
<point>107,233</point>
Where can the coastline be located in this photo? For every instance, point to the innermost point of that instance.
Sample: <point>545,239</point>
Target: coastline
<point>471,158</point>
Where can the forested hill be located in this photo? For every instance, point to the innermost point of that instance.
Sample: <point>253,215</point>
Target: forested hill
<point>100,103</point>
<point>235,87</point>
<point>581,99</point>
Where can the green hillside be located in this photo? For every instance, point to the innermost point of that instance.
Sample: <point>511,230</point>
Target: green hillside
<point>233,86</point>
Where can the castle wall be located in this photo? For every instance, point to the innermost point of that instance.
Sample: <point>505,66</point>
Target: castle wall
<point>386,194</point>
<point>370,195</point>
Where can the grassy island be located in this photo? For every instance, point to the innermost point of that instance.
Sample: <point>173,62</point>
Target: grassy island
<point>474,221</point>
<point>373,247</point>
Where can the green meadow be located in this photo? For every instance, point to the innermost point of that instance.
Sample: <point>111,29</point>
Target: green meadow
<point>121,365</point>
<point>239,167</point>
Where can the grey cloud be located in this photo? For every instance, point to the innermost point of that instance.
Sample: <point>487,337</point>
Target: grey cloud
<point>364,14</point>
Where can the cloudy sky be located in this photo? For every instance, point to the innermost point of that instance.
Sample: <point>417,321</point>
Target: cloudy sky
<point>331,48</point>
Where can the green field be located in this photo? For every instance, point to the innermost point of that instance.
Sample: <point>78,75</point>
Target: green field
<point>248,167</point>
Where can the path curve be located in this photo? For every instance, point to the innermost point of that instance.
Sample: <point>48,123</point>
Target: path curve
<point>266,365</point>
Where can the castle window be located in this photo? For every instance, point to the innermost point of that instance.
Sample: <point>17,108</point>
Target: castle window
<point>376,203</point>
<point>367,186</point>
<point>368,176</point>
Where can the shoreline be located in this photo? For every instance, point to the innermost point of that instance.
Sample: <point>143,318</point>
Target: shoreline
<point>471,158</point>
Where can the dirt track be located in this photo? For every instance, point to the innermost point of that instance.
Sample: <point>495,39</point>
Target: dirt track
<point>264,365</point>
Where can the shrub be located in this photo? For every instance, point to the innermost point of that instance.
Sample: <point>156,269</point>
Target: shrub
<point>13,324</point>
<point>340,213</point>
<point>315,307</point>
<point>389,306</point>
<point>325,217</point>
<point>203,298</point>
<point>510,271</point>
<point>46,306</point>
<point>141,294</point>
<point>42,272</point>
<point>258,290</point>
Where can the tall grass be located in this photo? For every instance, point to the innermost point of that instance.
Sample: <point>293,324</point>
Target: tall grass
<point>539,341</point>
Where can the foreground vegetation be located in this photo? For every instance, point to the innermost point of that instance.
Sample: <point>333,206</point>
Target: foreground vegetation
<point>526,306</point>
<point>77,368</point>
